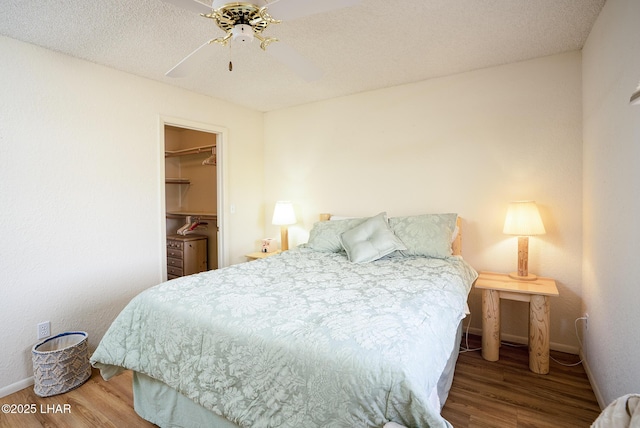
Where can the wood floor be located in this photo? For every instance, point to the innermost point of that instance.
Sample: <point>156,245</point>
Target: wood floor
<point>484,394</point>
<point>505,394</point>
<point>94,404</point>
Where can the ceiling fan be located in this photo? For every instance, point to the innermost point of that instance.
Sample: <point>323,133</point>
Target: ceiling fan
<point>244,21</point>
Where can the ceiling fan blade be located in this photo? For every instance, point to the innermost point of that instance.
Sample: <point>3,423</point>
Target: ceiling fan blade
<point>292,9</point>
<point>296,62</point>
<point>189,62</point>
<point>192,5</point>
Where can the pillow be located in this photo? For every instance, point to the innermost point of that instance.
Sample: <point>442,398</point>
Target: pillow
<point>427,235</point>
<point>325,235</point>
<point>370,240</point>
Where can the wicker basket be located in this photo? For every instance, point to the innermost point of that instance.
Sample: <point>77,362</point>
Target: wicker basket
<point>60,363</point>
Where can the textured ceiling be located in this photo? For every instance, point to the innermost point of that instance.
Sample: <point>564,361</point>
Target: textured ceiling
<point>374,44</point>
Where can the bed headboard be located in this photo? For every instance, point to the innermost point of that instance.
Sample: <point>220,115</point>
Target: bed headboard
<point>456,245</point>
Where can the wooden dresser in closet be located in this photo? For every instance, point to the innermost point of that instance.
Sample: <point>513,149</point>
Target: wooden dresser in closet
<point>186,255</point>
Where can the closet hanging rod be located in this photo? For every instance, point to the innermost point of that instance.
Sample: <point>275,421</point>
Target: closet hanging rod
<point>191,151</point>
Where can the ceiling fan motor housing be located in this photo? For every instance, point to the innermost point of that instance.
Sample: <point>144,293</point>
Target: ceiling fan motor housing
<point>249,15</point>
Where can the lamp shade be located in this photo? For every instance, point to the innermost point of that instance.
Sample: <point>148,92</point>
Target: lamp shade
<point>523,219</point>
<point>283,214</point>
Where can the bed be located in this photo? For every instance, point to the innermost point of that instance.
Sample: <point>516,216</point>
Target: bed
<point>360,327</point>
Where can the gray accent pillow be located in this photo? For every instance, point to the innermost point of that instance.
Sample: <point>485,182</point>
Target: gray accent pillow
<point>427,235</point>
<point>325,235</point>
<point>370,240</point>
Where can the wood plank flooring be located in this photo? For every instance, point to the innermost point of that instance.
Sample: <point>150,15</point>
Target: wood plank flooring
<point>501,394</point>
<point>94,404</point>
<point>505,394</point>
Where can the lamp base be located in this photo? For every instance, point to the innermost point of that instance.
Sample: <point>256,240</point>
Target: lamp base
<point>529,277</point>
<point>284,238</point>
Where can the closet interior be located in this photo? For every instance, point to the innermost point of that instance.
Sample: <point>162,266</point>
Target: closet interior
<point>191,201</point>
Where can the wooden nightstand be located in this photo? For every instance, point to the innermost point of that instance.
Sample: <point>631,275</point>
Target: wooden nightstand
<point>496,286</point>
<point>260,255</point>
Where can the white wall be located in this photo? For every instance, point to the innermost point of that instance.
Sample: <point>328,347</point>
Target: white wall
<point>80,198</point>
<point>611,70</point>
<point>79,142</point>
<point>467,143</point>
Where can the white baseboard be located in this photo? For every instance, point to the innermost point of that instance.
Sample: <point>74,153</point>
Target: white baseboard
<point>524,340</point>
<point>15,387</point>
<point>594,386</point>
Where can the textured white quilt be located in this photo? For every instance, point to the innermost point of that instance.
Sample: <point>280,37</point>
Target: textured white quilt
<point>302,339</point>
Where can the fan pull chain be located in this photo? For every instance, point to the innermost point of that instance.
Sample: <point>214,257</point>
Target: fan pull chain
<point>230,63</point>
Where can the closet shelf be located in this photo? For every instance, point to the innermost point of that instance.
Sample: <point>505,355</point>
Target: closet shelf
<point>201,214</point>
<point>191,151</point>
<point>177,181</point>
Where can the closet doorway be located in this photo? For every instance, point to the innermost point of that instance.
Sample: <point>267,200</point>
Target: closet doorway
<point>193,196</point>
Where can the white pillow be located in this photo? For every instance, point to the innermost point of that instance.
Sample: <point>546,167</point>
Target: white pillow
<point>427,235</point>
<point>325,235</point>
<point>370,240</point>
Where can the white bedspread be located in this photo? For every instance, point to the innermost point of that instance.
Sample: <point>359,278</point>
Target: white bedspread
<point>302,339</point>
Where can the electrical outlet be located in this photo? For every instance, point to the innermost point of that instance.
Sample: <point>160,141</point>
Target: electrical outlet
<point>586,321</point>
<point>44,329</point>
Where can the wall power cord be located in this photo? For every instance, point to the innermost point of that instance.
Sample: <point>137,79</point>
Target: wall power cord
<point>575,324</point>
<point>466,348</point>
<point>466,340</point>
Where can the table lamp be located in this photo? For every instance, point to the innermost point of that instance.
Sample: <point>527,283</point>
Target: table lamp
<point>283,216</point>
<point>523,219</point>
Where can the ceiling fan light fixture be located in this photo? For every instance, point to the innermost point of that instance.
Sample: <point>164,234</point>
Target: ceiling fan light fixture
<point>242,33</point>
<point>246,20</point>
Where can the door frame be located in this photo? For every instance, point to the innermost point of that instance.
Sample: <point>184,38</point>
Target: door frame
<point>222,135</point>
